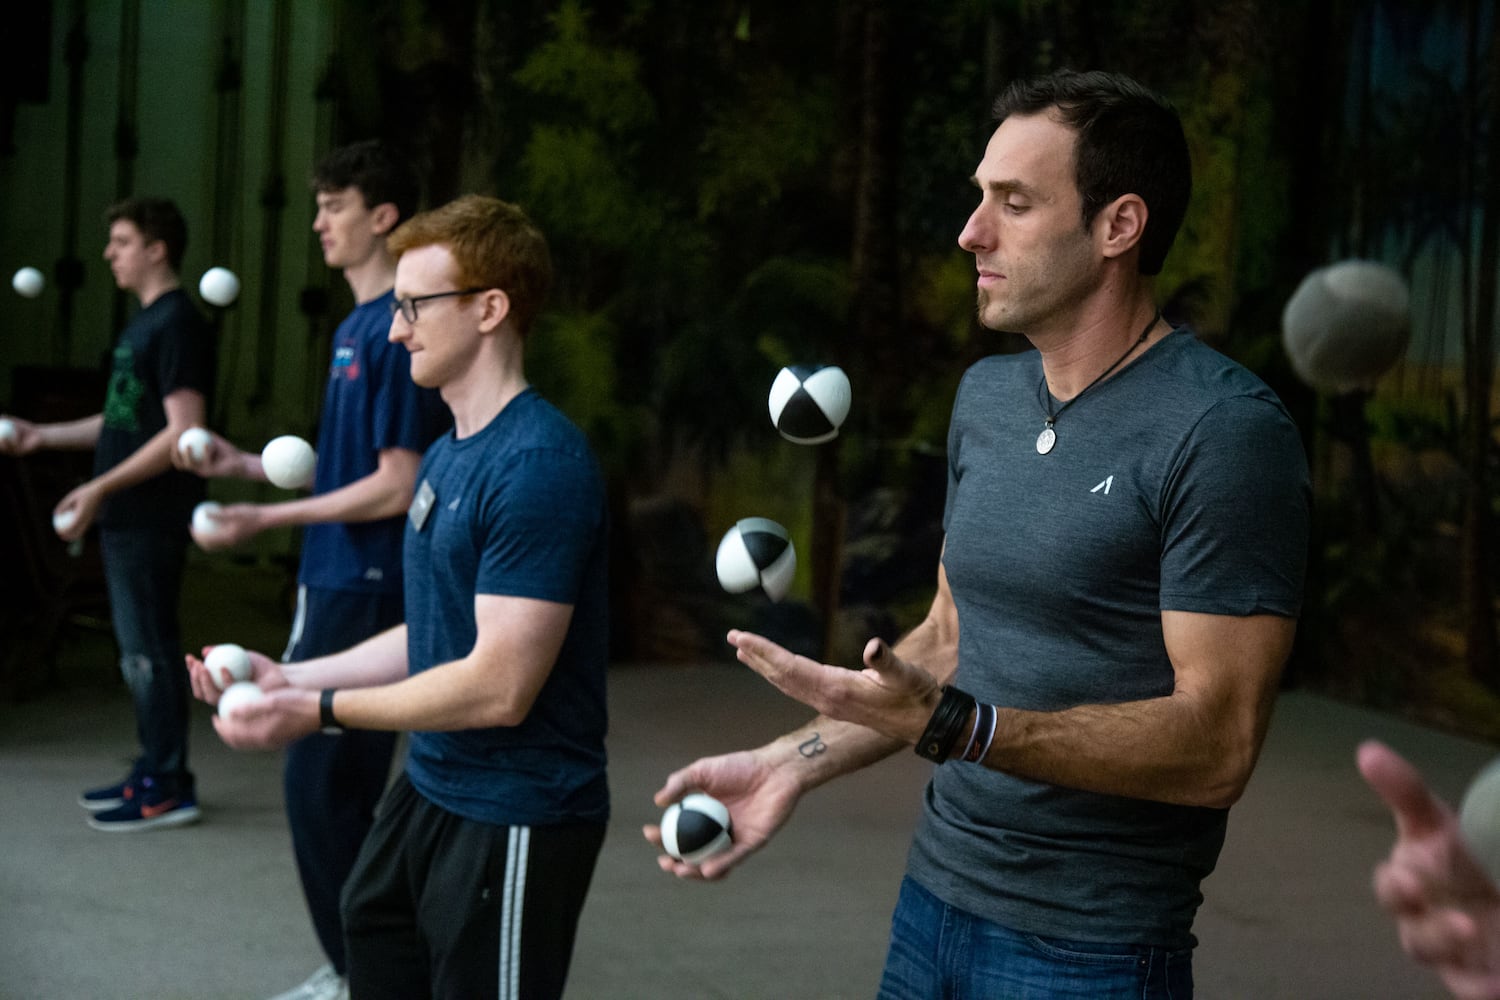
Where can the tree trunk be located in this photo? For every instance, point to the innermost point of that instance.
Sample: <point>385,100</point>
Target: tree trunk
<point>1314,104</point>
<point>875,309</point>
<point>1479,366</point>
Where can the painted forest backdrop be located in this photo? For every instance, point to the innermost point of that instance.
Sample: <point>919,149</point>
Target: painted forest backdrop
<point>730,186</point>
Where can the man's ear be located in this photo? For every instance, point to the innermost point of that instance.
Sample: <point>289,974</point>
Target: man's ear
<point>384,217</point>
<point>156,251</point>
<point>496,309</point>
<point>1121,224</point>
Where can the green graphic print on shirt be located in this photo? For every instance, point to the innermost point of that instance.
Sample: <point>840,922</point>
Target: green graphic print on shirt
<point>125,391</point>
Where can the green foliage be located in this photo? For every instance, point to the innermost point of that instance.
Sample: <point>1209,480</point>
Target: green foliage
<point>943,297</point>
<point>598,85</point>
<point>570,358</point>
<point>569,172</point>
<point>791,304</point>
<point>1411,422</point>
<point>1261,186</point>
<point>697,168</point>
<point>752,150</point>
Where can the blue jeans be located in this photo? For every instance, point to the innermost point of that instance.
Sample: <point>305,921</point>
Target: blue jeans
<point>143,573</point>
<point>938,952</point>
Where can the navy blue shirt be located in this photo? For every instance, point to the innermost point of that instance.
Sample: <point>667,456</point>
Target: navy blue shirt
<point>370,404</point>
<point>517,509</point>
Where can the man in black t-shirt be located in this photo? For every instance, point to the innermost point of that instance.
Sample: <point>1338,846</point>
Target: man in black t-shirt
<point>160,384</point>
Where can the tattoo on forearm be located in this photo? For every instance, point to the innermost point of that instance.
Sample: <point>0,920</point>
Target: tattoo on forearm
<point>812,746</point>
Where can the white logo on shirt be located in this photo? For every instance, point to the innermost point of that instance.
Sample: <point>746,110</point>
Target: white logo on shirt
<point>374,573</point>
<point>1104,486</point>
<point>453,504</point>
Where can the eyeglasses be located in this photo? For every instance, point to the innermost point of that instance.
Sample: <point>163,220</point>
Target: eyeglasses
<point>407,307</point>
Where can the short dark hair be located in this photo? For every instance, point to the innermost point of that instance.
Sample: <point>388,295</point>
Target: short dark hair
<point>373,169</point>
<point>1130,141</point>
<point>157,219</point>
<point>493,243</point>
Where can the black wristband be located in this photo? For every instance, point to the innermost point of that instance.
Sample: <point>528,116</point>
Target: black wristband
<point>946,724</point>
<point>325,713</point>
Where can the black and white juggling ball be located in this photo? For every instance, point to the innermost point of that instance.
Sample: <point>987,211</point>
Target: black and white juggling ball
<point>1346,325</point>
<point>756,552</point>
<point>809,402</point>
<point>695,828</point>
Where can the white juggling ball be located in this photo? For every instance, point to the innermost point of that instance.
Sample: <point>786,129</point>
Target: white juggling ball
<point>63,521</point>
<point>238,693</point>
<point>28,282</point>
<point>219,286</point>
<point>194,443</point>
<point>8,431</point>
<point>203,518</point>
<point>809,402</point>
<point>696,828</point>
<point>289,462</point>
<point>227,656</point>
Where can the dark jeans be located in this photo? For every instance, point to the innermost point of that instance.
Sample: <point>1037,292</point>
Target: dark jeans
<point>333,783</point>
<point>143,572</point>
<point>940,951</point>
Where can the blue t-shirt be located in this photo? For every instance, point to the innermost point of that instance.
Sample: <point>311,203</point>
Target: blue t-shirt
<point>370,404</point>
<point>165,347</point>
<point>517,509</point>
<point>1177,484</point>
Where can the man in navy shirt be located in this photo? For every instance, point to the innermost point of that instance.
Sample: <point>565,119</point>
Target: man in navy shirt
<point>473,878</point>
<point>160,384</point>
<point>375,424</point>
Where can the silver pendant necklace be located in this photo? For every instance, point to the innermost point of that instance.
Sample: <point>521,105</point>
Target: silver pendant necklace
<point>1048,437</point>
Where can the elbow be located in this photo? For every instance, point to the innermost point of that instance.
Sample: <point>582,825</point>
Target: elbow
<point>502,709</point>
<point>499,713</point>
<point>395,505</point>
<point>1224,783</point>
<point>1221,795</point>
<point>391,497</point>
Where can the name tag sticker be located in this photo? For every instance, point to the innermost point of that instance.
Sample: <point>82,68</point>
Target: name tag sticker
<point>421,505</point>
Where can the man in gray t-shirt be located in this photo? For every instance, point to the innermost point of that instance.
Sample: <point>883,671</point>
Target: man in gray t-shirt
<point>1126,531</point>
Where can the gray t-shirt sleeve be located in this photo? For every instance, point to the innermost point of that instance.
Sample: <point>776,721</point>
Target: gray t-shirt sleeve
<point>1235,514</point>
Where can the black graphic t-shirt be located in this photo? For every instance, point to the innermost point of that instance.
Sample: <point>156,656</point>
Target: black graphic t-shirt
<point>165,347</point>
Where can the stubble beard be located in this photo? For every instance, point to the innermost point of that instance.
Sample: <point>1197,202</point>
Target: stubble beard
<point>982,305</point>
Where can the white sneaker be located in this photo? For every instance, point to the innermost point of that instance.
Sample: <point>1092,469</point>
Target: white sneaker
<point>325,984</point>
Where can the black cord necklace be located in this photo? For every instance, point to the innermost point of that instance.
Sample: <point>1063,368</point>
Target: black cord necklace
<point>1048,437</point>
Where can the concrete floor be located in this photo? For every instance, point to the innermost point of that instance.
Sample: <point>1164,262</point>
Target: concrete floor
<point>214,911</point>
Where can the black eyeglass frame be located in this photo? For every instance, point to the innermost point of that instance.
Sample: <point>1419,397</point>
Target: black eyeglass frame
<point>407,307</point>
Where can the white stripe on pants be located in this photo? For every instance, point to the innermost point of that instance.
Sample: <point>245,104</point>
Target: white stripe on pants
<point>512,908</point>
<point>298,621</point>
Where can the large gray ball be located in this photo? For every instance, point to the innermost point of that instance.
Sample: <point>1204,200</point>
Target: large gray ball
<point>1479,818</point>
<point>1346,325</point>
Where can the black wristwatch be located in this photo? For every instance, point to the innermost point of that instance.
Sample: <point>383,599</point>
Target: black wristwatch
<point>325,713</point>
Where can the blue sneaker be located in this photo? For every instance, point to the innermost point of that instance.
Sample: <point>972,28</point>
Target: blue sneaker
<point>149,808</point>
<point>112,796</point>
